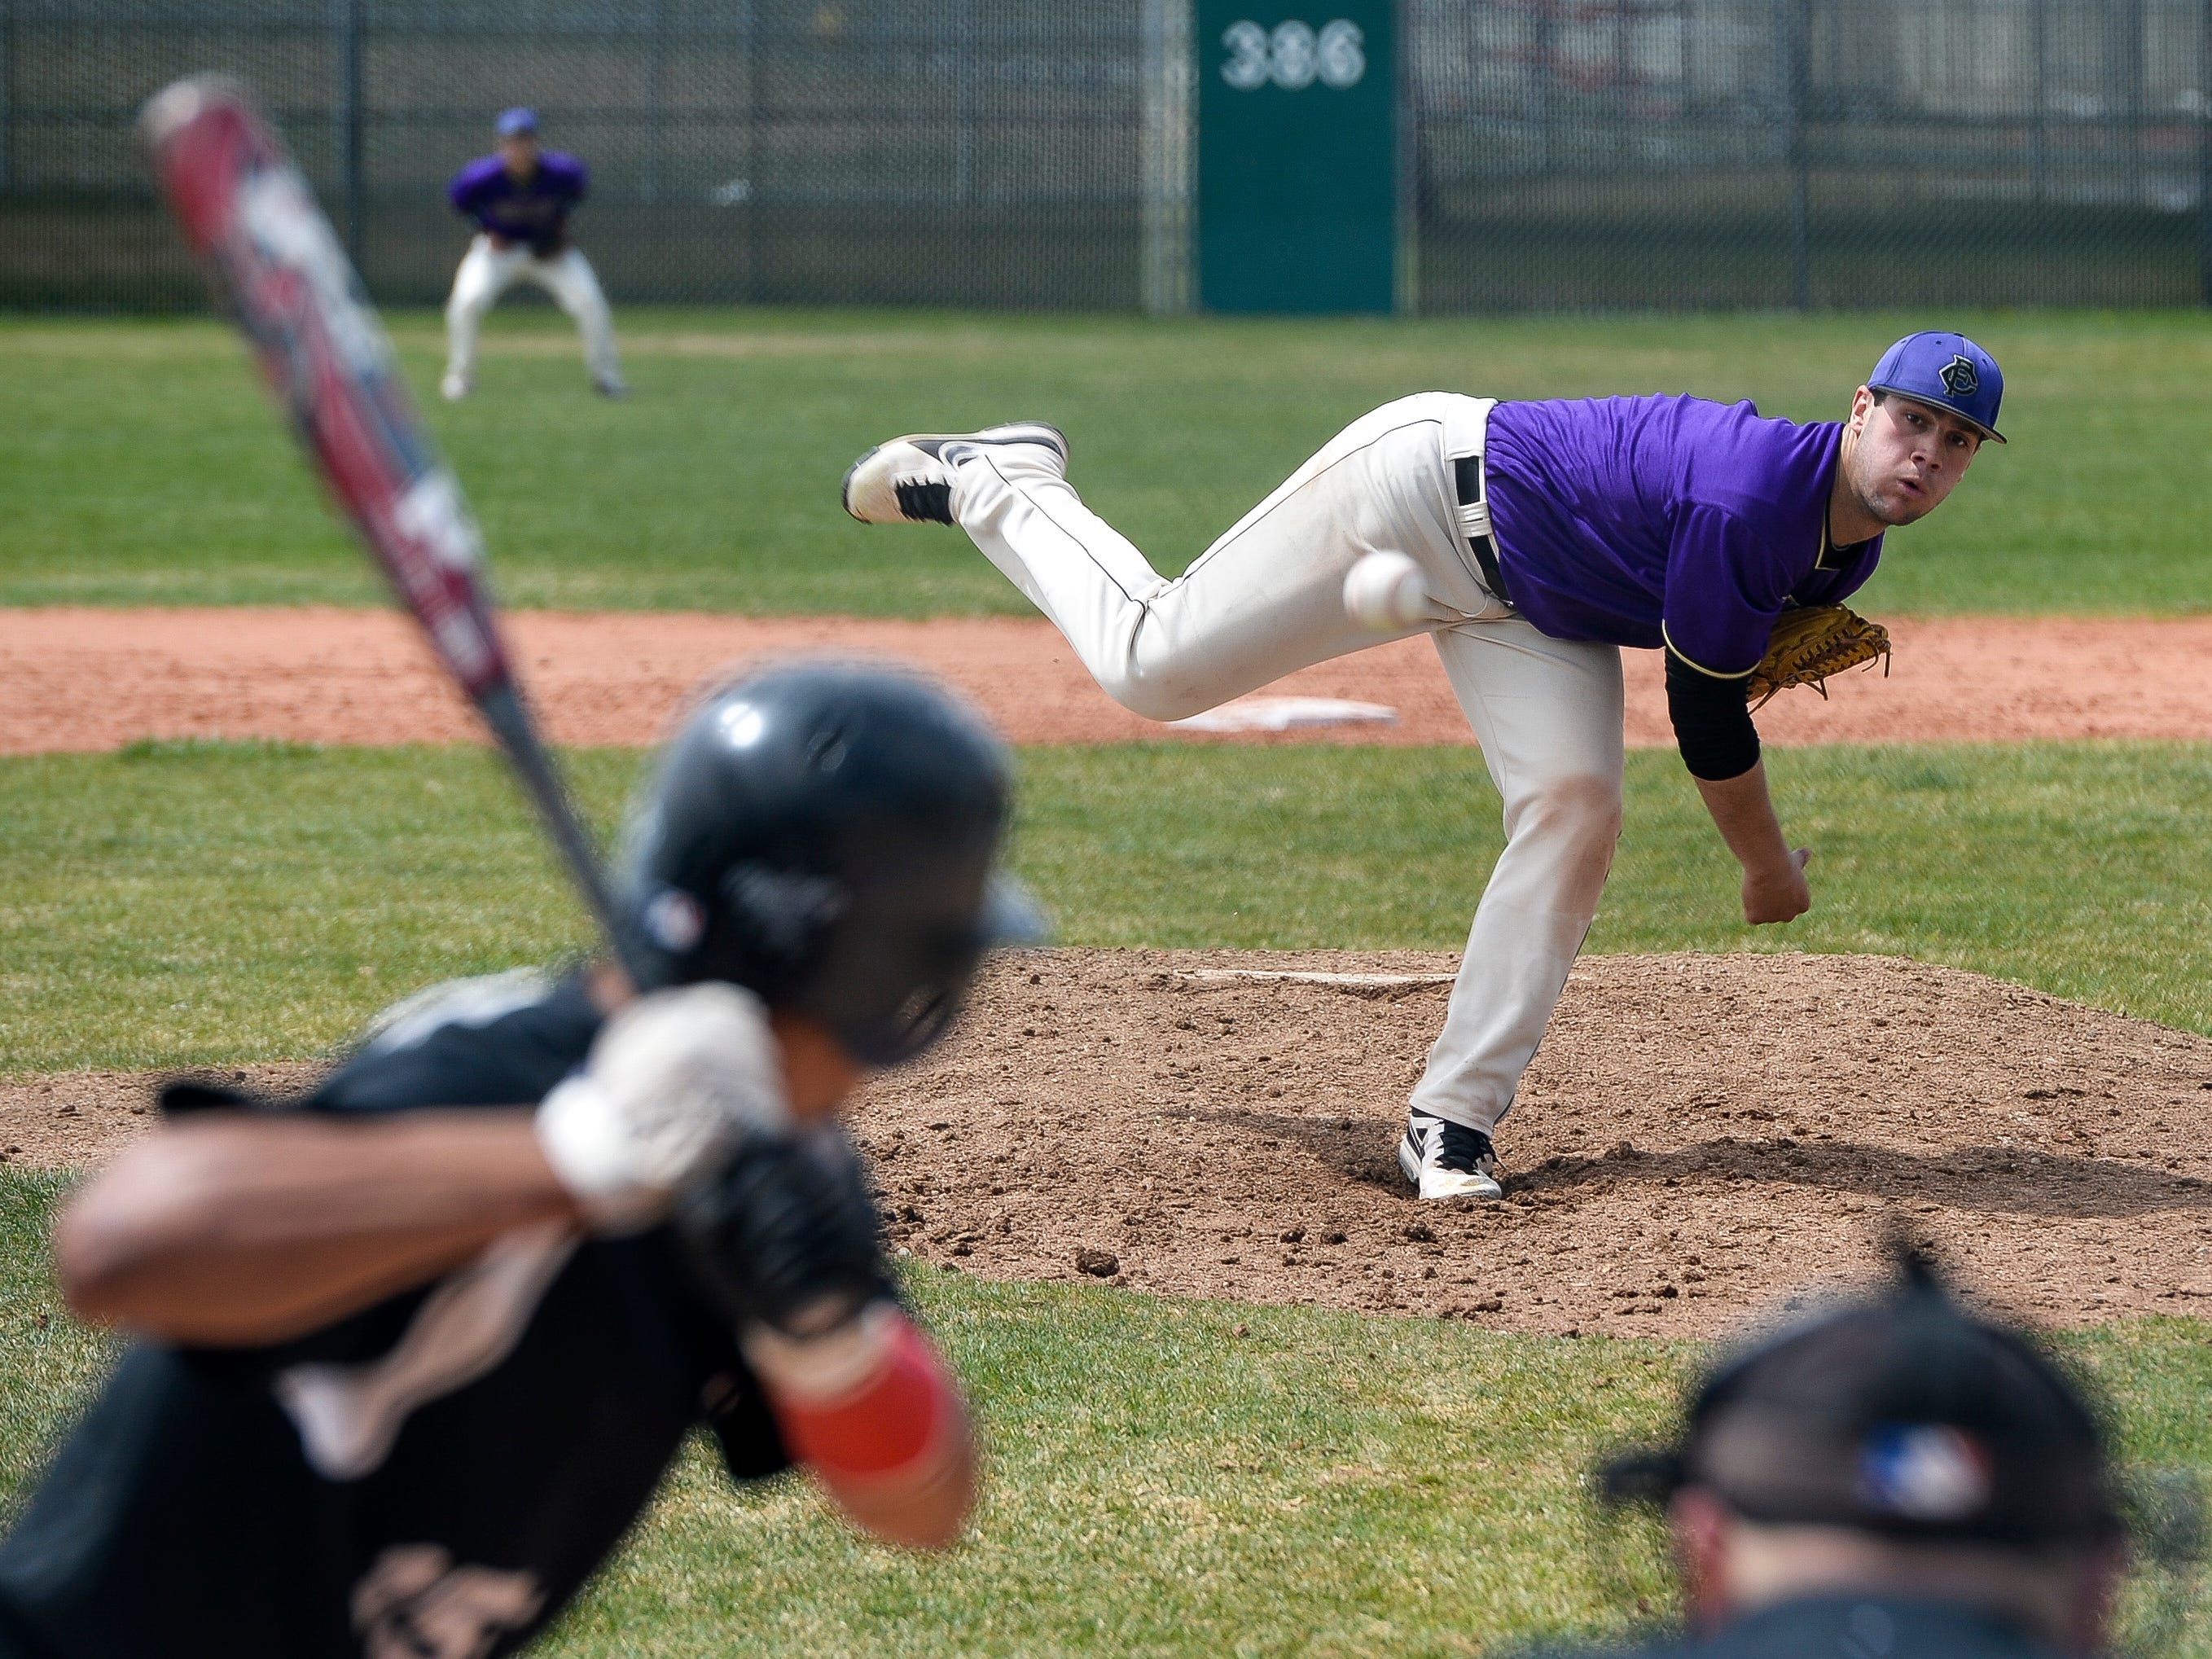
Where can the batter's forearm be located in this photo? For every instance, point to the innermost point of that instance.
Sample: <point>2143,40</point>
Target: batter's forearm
<point>875,1411</point>
<point>927,1509</point>
<point>246,1229</point>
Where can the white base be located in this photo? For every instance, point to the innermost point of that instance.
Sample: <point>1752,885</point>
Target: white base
<point>1288,714</point>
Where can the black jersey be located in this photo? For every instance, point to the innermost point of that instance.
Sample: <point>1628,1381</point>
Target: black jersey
<point>434,1478</point>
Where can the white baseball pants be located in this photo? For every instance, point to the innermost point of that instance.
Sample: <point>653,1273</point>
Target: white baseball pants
<point>1267,598</point>
<point>486,272</point>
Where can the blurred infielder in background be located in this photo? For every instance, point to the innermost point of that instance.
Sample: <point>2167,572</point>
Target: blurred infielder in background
<point>418,1347</point>
<point>519,200</point>
<point>1531,540</point>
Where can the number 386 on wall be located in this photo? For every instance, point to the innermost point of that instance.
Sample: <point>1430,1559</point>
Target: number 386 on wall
<point>1294,55</point>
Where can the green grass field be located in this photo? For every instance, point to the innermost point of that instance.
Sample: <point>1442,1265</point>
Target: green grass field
<point>204,903</point>
<point>139,463</point>
<point>1325,1484</point>
<point>1169,1477</point>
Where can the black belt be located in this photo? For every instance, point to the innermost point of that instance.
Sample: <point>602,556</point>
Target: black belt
<point>1467,473</point>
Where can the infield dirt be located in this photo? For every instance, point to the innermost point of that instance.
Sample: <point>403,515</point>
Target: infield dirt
<point>318,674</point>
<point>1701,1137</point>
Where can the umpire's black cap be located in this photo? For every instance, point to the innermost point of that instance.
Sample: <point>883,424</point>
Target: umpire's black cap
<point>1905,1416</point>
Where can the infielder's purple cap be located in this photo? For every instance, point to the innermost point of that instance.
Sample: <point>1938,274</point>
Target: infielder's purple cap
<point>1948,370</point>
<point>516,122</point>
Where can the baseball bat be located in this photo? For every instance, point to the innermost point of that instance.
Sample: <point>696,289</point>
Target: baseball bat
<point>247,211</point>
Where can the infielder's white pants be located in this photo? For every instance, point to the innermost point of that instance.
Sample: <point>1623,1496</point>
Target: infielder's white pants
<point>487,272</point>
<point>1267,599</point>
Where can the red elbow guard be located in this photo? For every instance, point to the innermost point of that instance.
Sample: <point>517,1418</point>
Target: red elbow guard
<point>874,1402</point>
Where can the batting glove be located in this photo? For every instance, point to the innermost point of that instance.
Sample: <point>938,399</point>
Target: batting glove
<point>674,1081</point>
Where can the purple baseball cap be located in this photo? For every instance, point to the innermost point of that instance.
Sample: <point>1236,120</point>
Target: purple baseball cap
<point>516,122</point>
<point>1948,370</point>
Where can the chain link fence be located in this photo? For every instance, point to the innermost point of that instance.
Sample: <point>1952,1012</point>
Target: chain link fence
<point>1560,153</point>
<point>958,152</point>
<point>1710,153</point>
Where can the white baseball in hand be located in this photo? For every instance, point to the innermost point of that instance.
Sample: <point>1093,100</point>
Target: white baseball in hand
<point>1385,592</point>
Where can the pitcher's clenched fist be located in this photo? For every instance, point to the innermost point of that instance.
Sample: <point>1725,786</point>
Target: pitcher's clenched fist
<point>1779,893</point>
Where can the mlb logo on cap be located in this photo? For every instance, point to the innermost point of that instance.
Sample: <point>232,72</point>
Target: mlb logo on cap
<point>1924,1472</point>
<point>516,122</point>
<point>1948,370</point>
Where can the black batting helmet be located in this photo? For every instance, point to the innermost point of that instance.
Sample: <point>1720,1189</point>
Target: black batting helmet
<point>825,834</point>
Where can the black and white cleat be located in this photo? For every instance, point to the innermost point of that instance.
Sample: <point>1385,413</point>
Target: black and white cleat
<point>1448,1160</point>
<point>909,480</point>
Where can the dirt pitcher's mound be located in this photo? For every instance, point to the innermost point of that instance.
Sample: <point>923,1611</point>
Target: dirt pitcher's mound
<point>1701,1136</point>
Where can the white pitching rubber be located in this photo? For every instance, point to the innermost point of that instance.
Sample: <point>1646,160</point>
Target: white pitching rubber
<point>1384,592</point>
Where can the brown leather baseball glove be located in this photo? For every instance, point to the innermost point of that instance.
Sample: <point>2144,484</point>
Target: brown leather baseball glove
<point>1812,642</point>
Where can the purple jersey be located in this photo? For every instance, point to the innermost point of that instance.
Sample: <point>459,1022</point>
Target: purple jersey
<point>535,212</point>
<point>1665,521</point>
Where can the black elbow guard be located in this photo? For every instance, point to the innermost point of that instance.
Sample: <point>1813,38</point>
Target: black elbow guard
<point>1712,724</point>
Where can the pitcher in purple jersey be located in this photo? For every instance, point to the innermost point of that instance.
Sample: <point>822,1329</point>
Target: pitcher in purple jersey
<point>1531,541</point>
<point>520,200</point>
